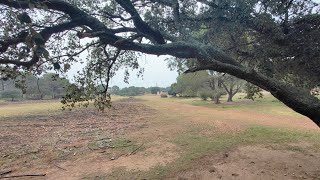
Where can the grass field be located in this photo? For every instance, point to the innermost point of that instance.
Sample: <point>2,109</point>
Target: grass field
<point>266,105</point>
<point>149,137</point>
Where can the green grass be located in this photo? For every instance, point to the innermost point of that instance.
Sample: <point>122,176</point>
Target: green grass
<point>30,109</point>
<point>34,108</point>
<point>196,146</point>
<point>266,105</point>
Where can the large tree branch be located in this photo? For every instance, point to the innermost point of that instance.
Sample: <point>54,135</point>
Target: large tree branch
<point>57,5</point>
<point>5,44</point>
<point>289,95</point>
<point>225,87</point>
<point>26,64</point>
<point>45,33</point>
<point>142,26</point>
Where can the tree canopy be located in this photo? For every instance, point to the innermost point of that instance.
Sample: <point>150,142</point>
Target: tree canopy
<point>272,44</point>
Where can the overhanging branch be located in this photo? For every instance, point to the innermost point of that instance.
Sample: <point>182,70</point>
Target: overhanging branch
<point>141,26</point>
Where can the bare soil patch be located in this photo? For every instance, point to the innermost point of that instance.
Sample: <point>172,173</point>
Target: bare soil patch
<point>256,162</point>
<point>40,143</point>
<point>97,164</point>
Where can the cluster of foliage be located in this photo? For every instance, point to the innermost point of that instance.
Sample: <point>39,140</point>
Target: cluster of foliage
<point>269,43</point>
<point>49,86</point>
<point>188,85</point>
<point>252,91</point>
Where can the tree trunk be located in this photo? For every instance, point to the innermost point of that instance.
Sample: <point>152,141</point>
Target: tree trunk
<point>299,100</point>
<point>216,99</point>
<point>230,96</point>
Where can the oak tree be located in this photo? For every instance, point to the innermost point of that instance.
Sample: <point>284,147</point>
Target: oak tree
<point>272,44</point>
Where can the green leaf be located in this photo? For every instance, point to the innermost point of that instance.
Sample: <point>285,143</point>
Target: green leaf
<point>39,51</point>
<point>38,39</point>
<point>56,66</point>
<point>24,18</point>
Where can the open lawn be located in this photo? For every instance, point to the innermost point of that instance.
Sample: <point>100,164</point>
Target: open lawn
<point>149,137</point>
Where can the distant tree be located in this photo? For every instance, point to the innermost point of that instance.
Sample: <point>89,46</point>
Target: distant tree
<point>214,83</point>
<point>52,85</point>
<point>132,91</point>
<point>252,91</point>
<point>172,92</point>
<point>189,84</point>
<point>231,85</point>
<point>7,85</point>
<point>114,90</point>
<point>33,88</point>
<point>154,90</point>
<point>12,94</point>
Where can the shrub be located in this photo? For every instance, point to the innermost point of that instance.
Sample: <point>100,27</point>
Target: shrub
<point>163,95</point>
<point>204,95</point>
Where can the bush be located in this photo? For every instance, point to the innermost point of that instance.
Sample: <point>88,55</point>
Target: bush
<point>164,95</point>
<point>204,95</point>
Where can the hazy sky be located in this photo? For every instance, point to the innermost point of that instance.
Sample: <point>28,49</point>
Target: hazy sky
<point>156,73</point>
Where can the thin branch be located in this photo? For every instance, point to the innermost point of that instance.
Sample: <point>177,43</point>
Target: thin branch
<point>76,53</point>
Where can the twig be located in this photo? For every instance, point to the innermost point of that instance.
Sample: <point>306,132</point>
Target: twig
<point>5,172</point>
<point>60,167</point>
<point>26,175</point>
<point>135,150</point>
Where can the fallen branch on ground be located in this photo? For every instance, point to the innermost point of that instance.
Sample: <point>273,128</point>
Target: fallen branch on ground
<point>135,150</point>
<point>5,172</point>
<point>60,167</point>
<point>26,175</point>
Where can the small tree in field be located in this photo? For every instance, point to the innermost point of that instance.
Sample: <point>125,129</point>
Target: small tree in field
<point>231,85</point>
<point>11,94</point>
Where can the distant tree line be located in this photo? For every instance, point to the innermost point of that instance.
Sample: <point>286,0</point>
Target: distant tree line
<point>212,85</point>
<point>48,86</point>
<point>137,91</point>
